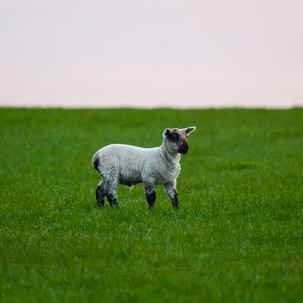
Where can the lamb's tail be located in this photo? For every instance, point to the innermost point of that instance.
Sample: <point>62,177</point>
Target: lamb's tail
<point>95,161</point>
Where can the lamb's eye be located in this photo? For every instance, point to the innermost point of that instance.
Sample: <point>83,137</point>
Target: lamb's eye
<point>173,137</point>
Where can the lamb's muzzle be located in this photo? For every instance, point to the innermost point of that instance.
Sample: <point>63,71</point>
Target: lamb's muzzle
<point>129,165</point>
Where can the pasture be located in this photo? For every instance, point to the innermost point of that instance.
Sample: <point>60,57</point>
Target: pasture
<point>237,237</point>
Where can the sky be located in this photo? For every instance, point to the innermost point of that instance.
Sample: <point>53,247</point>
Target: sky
<point>136,53</point>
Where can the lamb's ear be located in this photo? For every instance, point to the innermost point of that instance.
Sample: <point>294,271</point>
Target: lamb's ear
<point>166,132</point>
<point>189,130</point>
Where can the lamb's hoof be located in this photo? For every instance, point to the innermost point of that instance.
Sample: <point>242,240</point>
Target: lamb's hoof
<point>150,206</point>
<point>100,205</point>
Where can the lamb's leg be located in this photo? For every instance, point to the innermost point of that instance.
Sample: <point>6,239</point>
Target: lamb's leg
<point>111,193</point>
<point>172,193</point>
<point>100,194</point>
<point>150,194</point>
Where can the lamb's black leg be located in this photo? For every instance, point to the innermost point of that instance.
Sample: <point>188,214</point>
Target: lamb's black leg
<point>174,199</point>
<point>111,193</point>
<point>112,199</point>
<point>150,195</point>
<point>100,195</point>
<point>173,195</point>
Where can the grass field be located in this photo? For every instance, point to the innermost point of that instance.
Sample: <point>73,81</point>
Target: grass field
<point>237,237</point>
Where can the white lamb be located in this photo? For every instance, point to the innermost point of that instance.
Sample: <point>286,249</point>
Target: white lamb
<point>129,165</point>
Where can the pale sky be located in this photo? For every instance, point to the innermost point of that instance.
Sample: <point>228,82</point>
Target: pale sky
<point>189,53</point>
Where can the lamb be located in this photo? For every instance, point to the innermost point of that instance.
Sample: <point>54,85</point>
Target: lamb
<point>129,165</point>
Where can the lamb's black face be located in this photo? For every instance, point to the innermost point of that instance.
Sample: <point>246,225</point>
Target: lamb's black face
<point>179,138</point>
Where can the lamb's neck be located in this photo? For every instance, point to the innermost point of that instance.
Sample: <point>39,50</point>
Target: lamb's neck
<point>172,158</point>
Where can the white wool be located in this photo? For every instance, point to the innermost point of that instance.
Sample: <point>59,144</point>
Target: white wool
<point>135,164</point>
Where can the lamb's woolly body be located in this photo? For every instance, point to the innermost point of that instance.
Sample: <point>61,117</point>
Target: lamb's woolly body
<point>133,165</point>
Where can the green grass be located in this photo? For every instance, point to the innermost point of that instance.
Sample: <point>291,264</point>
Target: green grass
<point>237,237</point>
